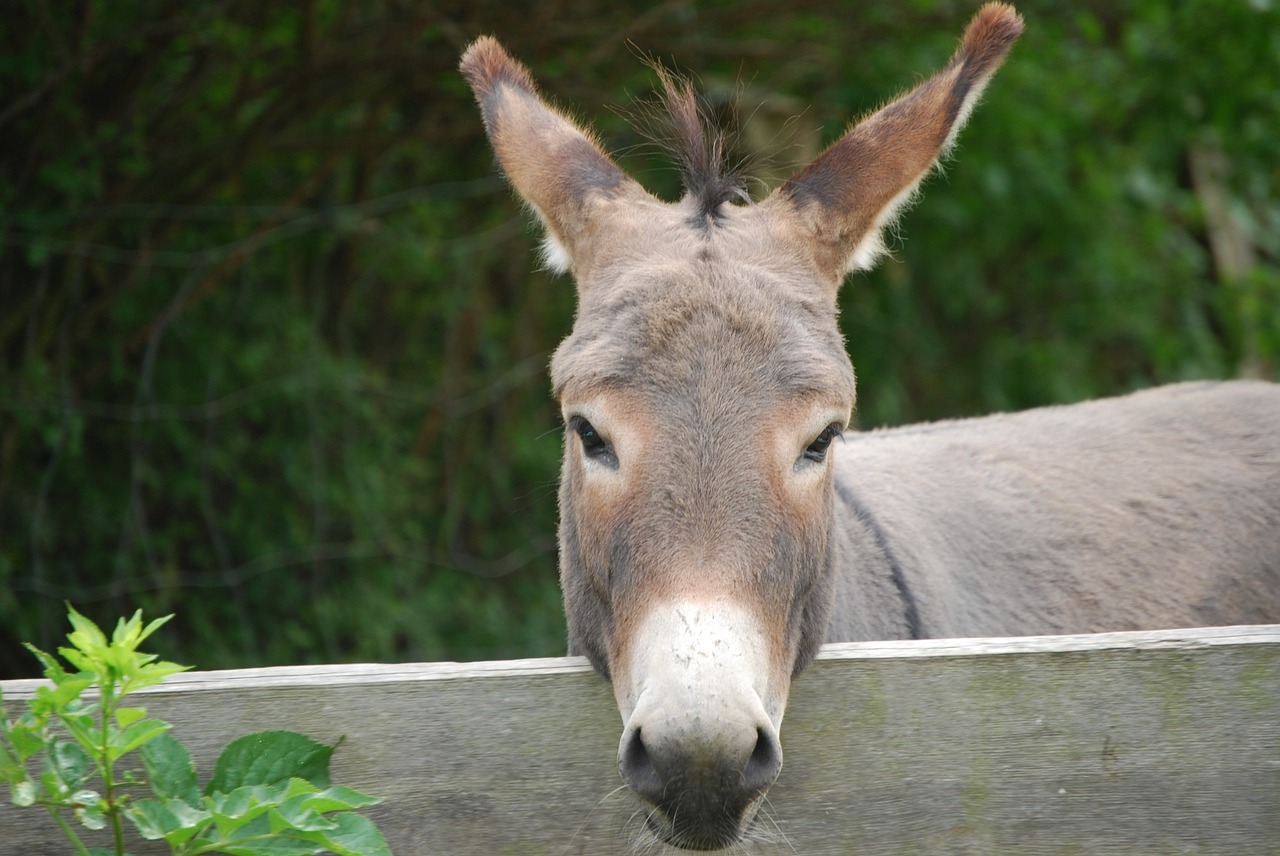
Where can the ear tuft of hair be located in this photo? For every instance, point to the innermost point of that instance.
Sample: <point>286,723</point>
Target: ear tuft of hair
<point>486,62</point>
<point>989,36</point>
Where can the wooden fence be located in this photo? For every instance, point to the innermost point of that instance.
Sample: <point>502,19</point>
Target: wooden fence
<point>1122,743</point>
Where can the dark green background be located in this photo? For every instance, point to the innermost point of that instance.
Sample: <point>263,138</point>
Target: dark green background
<point>274,340</point>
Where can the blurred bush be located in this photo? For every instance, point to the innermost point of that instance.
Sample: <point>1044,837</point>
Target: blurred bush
<point>274,341</point>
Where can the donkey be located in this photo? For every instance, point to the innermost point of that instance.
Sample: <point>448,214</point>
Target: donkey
<point>718,523</point>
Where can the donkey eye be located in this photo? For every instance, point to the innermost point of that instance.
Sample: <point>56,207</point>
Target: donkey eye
<point>593,445</point>
<point>817,450</point>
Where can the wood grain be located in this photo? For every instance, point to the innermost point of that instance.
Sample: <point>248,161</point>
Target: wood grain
<point>1124,743</point>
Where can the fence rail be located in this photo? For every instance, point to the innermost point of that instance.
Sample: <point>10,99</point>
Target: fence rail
<point>1121,743</point>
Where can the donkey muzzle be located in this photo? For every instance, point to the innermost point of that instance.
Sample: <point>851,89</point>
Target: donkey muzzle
<point>705,784</point>
<point>699,743</point>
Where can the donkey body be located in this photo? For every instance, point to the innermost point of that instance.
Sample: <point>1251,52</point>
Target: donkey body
<point>717,525</point>
<point>1154,510</point>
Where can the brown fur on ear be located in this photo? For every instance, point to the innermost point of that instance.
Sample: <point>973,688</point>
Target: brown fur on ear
<point>485,62</point>
<point>555,165</point>
<point>853,190</point>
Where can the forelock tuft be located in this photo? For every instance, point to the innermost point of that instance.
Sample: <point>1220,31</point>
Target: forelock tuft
<point>713,173</point>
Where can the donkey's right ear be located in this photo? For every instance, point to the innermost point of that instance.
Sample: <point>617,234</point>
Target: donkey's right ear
<point>557,167</point>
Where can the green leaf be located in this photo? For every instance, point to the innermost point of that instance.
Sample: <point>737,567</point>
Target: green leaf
<point>173,820</point>
<point>355,835</point>
<point>85,636</point>
<point>151,818</point>
<point>69,763</point>
<point>25,740</point>
<point>24,793</point>
<point>153,626</point>
<point>90,809</point>
<point>170,769</point>
<point>10,769</point>
<point>82,725</point>
<point>270,757</point>
<point>337,798</point>
<point>126,632</point>
<point>82,662</point>
<point>52,668</point>
<point>290,817</point>
<point>243,806</point>
<point>127,739</point>
<point>272,847</point>
<point>66,690</point>
<point>126,716</point>
<point>140,675</point>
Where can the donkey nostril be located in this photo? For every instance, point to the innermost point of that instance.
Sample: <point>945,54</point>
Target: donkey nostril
<point>637,768</point>
<point>717,774</point>
<point>765,762</point>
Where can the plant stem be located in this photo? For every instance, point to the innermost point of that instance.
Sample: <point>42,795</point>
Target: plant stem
<point>81,850</point>
<point>108,763</point>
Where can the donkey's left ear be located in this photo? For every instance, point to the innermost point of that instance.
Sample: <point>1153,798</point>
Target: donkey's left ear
<point>841,203</point>
<point>556,166</point>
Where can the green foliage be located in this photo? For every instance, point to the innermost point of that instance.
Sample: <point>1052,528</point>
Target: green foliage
<point>273,341</point>
<point>269,793</point>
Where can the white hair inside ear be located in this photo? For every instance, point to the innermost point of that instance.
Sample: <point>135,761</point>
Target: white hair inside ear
<point>555,257</point>
<point>872,246</point>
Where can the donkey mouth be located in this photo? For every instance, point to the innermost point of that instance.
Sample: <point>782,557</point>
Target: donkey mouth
<point>702,830</point>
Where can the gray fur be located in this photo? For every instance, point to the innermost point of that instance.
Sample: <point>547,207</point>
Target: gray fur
<point>1154,510</point>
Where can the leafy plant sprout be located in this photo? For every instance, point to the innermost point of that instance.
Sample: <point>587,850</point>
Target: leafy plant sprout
<point>269,792</point>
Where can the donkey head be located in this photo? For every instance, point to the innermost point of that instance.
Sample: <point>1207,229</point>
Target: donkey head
<point>702,386</point>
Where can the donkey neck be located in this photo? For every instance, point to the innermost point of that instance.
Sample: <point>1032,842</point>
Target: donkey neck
<point>874,600</point>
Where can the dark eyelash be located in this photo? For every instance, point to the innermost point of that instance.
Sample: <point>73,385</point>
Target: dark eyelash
<point>594,445</point>
<point>817,450</point>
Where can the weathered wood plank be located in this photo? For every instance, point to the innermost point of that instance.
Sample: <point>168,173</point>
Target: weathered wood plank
<point>1107,745</point>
